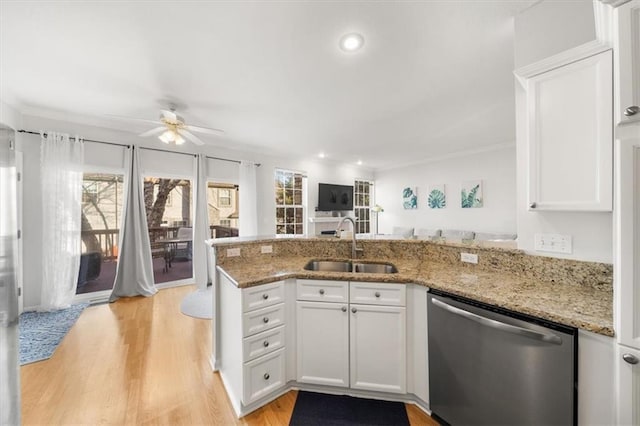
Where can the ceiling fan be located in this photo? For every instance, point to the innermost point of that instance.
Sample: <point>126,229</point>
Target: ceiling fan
<point>173,128</point>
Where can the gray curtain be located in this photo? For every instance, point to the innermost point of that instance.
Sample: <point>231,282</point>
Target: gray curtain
<point>134,275</point>
<point>201,227</point>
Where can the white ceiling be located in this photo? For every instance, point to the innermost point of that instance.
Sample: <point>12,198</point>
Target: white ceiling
<point>433,78</point>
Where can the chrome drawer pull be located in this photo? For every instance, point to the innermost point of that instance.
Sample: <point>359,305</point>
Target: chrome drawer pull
<point>265,320</point>
<point>631,359</point>
<point>265,344</point>
<point>377,294</point>
<point>344,309</point>
<point>321,291</point>
<point>354,310</point>
<point>632,110</point>
<point>265,296</point>
<point>266,376</point>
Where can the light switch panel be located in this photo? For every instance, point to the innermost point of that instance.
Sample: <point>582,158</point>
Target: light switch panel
<point>554,243</point>
<point>233,252</point>
<point>266,249</point>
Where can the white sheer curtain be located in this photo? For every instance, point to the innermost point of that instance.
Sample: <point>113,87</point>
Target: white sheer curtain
<point>248,199</point>
<point>61,163</point>
<point>201,226</point>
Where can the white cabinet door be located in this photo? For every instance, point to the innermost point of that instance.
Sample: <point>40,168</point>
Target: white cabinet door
<point>627,48</point>
<point>570,136</point>
<point>323,343</point>
<point>629,386</point>
<point>378,348</point>
<point>627,237</point>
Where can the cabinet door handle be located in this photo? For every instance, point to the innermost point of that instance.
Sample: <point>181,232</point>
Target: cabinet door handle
<point>377,294</point>
<point>321,291</point>
<point>532,205</point>
<point>354,310</point>
<point>631,359</point>
<point>344,309</point>
<point>265,344</point>
<point>632,110</point>
<point>265,296</point>
<point>266,376</point>
<point>265,320</point>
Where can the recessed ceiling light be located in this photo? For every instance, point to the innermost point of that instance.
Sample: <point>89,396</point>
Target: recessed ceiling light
<point>359,162</point>
<point>321,155</point>
<point>351,42</point>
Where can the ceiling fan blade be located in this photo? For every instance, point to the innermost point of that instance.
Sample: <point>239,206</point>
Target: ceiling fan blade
<point>169,115</point>
<point>142,120</point>
<point>153,131</point>
<point>190,136</point>
<point>206,130</point>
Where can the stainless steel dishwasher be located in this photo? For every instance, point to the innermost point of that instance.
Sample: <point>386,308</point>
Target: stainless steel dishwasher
<point>488,366</point>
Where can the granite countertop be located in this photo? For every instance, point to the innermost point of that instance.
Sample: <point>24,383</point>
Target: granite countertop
<point>585,307</point>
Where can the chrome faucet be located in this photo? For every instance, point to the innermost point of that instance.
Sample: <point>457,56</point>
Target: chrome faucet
<point>354,248</point>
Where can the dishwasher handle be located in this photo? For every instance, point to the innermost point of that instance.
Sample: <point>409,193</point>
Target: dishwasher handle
<point>550,338</point>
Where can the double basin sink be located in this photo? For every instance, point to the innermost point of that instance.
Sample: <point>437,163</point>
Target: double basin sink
<point>349,266</point>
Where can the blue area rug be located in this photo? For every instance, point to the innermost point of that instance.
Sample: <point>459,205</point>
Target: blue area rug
<point>42,332</point>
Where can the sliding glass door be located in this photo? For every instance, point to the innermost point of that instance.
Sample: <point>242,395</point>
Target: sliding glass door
<point>102,196</point>
<point>169,209</point>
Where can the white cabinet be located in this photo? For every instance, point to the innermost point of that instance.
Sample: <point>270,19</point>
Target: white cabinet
<point>596,379</point>
<point>378,348</point>
<point>570,136</point>
<point>359,345</point>
<point>628,386</point>
<point>627,237</point>
<point>627,48</point>
<point>323,343</point>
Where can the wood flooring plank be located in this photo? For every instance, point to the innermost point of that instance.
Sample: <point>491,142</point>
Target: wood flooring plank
<point>141,361</point>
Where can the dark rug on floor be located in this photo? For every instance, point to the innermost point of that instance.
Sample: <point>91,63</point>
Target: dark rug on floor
<point>331,410</point>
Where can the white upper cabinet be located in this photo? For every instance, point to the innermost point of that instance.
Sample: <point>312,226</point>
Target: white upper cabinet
<point>627,48</point>
<point>570,136</point>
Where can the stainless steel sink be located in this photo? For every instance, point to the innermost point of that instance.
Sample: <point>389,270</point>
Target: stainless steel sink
<point>375,268</point>
<point>329,266</point>
<point>347,266</point>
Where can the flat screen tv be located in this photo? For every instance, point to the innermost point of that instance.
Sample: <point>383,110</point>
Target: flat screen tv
<point>335,197</point>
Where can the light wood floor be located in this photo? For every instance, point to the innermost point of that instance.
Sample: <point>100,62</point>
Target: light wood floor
<point>140,361</point>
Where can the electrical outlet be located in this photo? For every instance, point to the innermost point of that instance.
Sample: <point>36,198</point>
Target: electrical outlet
<point>233,252</point>
<point>469,258</point>
<point>266,249</point>
<point>555,243</point>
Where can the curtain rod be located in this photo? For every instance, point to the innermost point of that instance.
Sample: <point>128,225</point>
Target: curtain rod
<point>142,147</point>
<point>229,160</point>
<point>86,140</point>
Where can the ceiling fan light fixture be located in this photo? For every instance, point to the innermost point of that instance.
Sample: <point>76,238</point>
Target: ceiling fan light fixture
<point>179,140</point>
<point>351,42</point>
<point>168,136</point>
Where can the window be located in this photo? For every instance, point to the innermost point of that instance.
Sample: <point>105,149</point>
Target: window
<point>89,192</point>
<point>362,191</point>
<point>224,197</point>
<point>225,222</point>
<point>289,191</point>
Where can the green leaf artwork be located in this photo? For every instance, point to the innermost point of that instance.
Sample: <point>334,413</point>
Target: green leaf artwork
<point>471,195</point>
<point>409,198</point>
<point>437,199</point>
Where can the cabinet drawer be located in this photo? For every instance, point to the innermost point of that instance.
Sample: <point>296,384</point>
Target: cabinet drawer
<point>378,293</point>
<point>262,319</point>
<point>263,343</point>
<point>262,295</point>
<point>263,376</point>
<point>323,291</point>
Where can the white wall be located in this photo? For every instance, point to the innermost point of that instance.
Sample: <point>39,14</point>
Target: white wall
<point>551,27</point>
<point>316,170</point>
<point>10,117</point>
<point>496,169</point>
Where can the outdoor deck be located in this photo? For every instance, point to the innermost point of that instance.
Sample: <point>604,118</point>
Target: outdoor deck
<point>180,269</point>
